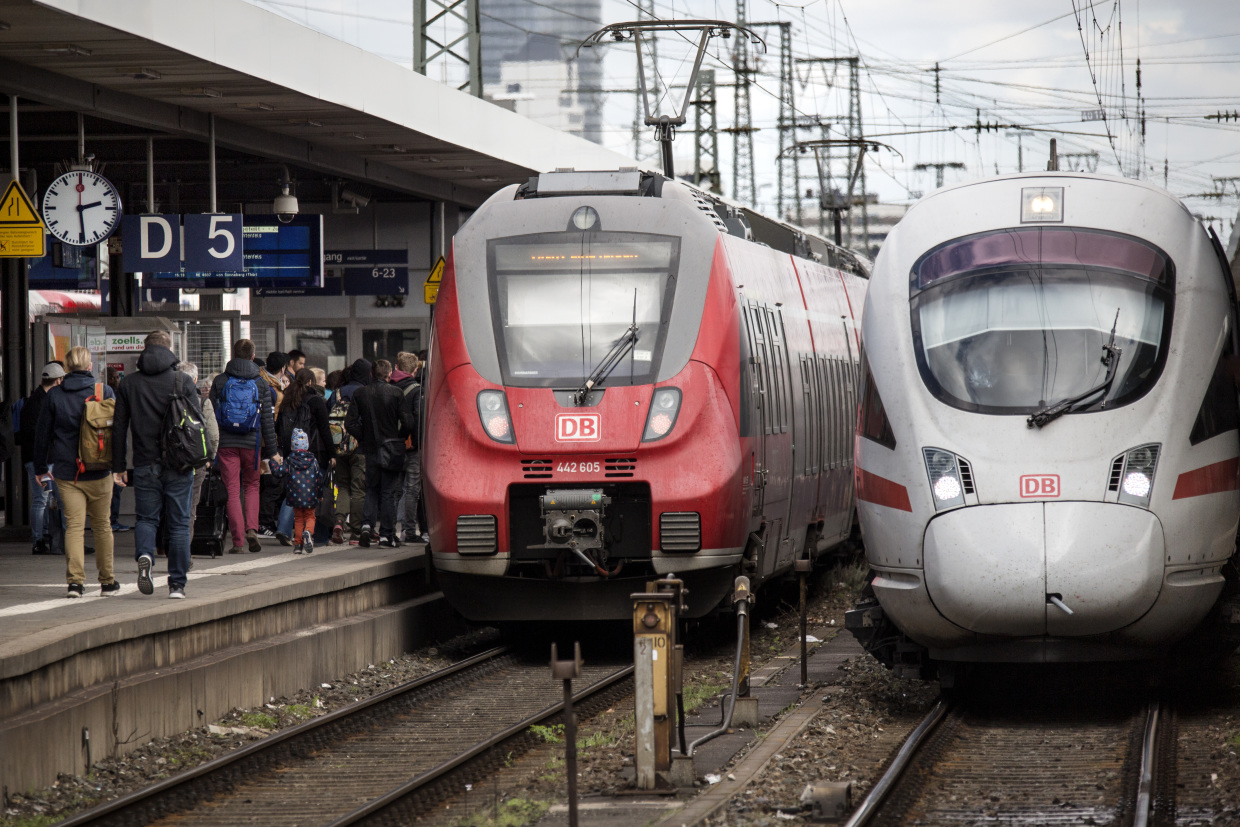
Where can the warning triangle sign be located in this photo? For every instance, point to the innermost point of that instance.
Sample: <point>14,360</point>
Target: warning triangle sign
<point>16,210</point>
<point>436,276</point>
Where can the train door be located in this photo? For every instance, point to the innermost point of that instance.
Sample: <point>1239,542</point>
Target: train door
<point>756,369</point>
<point>781,445</point>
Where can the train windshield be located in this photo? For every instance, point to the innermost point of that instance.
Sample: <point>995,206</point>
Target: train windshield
<point>561,301</point>
<point>1012,321</point>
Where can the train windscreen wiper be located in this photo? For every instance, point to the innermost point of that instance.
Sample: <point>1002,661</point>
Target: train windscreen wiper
<point>612,358</point>
<point>1110,358</point>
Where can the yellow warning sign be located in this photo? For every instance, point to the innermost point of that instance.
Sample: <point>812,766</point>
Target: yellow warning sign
<point>430,290</point>
<point>21,229</point>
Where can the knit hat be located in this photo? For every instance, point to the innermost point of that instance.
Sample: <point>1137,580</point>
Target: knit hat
<point>276,362</point>
<point>300,441</point>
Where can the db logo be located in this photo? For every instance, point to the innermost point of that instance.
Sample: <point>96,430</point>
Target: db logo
<point>1039,485</point>
<point>577,427</point>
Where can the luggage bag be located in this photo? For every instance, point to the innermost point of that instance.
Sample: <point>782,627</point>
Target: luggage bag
<point>211,519</point>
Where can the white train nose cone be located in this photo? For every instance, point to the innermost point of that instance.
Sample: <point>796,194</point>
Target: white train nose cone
<point>992,569</point>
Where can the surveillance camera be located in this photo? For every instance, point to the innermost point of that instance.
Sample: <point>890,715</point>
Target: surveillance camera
<point>285,206</point>
<point>354,199</point>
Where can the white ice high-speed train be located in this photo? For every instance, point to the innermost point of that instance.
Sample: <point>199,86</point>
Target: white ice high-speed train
<point>1046,455</point>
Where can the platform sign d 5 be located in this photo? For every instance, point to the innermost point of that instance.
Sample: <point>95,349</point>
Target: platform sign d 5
<point>214,243</point>
<point>150,243</point>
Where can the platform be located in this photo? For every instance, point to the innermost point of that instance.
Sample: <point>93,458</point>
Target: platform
<point>130,667</point>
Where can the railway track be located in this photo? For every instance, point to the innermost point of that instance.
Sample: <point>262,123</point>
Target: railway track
<point>381,761</point>
<point>996,761</point>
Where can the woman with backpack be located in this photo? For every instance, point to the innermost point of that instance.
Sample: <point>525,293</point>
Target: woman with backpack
<point>80,454</point>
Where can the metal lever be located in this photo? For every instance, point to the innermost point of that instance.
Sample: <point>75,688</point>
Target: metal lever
<point>1055,600</point>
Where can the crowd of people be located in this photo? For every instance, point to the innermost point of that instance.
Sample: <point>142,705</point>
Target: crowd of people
<point>299,455</point>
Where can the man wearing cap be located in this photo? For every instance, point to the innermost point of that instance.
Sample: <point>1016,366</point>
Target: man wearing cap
<point>53,375</point>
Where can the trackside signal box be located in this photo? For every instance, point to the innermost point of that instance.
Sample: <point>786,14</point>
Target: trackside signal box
<point>654,627</point>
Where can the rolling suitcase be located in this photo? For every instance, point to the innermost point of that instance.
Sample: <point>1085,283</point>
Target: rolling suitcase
<point>211,519</point>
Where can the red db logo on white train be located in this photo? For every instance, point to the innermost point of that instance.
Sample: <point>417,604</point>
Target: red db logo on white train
<point>577,427</point>
<point>1039,485</point>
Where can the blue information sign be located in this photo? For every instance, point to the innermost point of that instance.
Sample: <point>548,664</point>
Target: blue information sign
<point>354,273</point>
<point>277,254</point>
<point>150,243</point>
<point>214,243</point>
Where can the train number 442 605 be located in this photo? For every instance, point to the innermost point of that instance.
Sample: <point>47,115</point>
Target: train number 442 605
<point>578,467</point>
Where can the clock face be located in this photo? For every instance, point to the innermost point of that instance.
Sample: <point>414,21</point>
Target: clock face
<point>81,208</point>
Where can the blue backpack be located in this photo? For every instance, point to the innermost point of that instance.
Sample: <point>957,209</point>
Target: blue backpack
<point>239,410</point>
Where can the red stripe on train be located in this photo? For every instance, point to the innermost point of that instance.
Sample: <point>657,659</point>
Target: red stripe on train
<point>1211,479</point>
<point>881,491</point>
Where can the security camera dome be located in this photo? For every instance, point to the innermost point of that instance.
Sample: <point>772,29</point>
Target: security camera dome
<point>285,206</point>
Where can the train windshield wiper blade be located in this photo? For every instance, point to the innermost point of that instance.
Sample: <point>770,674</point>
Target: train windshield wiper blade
<point>612,358</point>
<point>1110,358</point>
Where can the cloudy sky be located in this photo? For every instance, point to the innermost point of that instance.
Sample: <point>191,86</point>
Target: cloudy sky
<point>1024,66</point>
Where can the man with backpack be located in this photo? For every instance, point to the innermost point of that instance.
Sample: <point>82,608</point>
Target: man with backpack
<point>74,437</point>
<point>159,406</point>
<point>243,409</point>
<point>350,468</point>
<point>374,419</point>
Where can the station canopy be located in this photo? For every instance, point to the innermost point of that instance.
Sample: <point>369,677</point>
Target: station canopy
<point>281,94</point>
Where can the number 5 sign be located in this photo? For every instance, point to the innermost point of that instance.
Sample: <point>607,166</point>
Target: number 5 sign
<point>214,243</point>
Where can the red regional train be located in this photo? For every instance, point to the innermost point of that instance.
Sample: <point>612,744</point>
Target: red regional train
<point>630,377</point>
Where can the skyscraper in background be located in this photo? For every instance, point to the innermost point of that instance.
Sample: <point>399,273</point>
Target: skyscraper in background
<point>529,62</point>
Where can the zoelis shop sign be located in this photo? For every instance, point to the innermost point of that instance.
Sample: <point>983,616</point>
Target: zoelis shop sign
<point>116,343</point>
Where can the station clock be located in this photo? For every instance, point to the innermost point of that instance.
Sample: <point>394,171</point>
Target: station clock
<point>81,208</point>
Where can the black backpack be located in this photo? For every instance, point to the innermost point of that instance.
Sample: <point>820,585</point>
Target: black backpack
<point>184,442</point>
<point>302,418</point>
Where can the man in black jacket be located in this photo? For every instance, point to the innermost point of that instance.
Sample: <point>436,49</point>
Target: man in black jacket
<point>53,375</point>
<point>374,420</point>
<point>142,399</point>
<point>238,454</point>
<point>350,470</point>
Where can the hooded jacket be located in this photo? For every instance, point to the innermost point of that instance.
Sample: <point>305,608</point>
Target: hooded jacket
<point>245,369</point>
<point>60,424</point>
<point>359,375</point>
<point>142,400</point>
<point>410,404</point>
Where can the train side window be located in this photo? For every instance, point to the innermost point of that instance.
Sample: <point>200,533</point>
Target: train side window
<point>763,372</point>
<point>779,375</point>
<point>1220,411</point>
<point>828,461</point>
<point>811,410</point>
<point>747,375</point>
<point>836,423</point>
<point>873,423</point>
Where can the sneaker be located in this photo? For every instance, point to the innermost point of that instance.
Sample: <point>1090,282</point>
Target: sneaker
<point>120,528</point>
<point>426,538</point>
<point>338,535</point>
<point>284,539</point>
<point>364,539</point>
<point>266,532</point>
<point>145,584</point>
<point>75,590</point>
<point>251,538</point>
<point>307,542</point>
<point>110,588</point>
<point>176,594</point>
<point>297,549</point>
<point>389,542</point>
<point>237,550</point>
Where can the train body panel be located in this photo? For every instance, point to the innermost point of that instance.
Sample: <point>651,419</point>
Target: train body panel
<point>1101,533</point>
<point>553,497</point>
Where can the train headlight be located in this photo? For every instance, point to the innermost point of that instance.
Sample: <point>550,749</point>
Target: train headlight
<point>1138,475</point>
<point>585,218</point>
<point>493,411</point>
<point>664,407</point>
<point>944,474</point>
<point>1039,205</point>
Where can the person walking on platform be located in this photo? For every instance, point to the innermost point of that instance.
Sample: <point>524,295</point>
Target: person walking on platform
<point>405,377</point>
<point>213,442</point>
<point>303,408</point>
<point>350,463</point>
<point>79,455</point>
<point>374,419</point>
<point>305,488</point>
<point>243,409</point>
<point>28,418</point>
<point>271,483</point>
<point>160,490</point>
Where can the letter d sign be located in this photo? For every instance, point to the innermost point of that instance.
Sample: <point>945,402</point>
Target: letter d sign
<point>151,243</point>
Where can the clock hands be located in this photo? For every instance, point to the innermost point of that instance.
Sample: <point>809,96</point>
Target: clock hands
<point>81,214</point>
<point>83,207</point>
